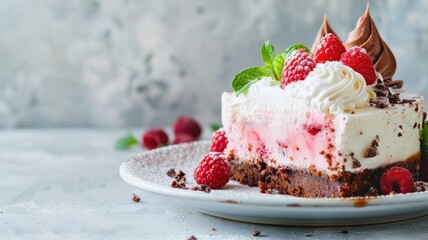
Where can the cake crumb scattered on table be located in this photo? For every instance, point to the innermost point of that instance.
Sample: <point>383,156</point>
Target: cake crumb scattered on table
<point>136,198</point>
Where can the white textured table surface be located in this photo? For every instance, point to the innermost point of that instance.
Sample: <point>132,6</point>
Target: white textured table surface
<point>64,184</point>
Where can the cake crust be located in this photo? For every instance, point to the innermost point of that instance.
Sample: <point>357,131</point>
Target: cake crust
<point>311,183</point>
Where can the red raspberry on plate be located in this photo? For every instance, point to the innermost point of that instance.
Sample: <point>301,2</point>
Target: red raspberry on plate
<point>398,180</point>
<point>185,124</point>
<point>358,59</point>
<point>183,138</point>
<point>154,138</point>
<point>212,170</point>
<point>219,141</point>
<point>297,67</point>
<point>330,48</point>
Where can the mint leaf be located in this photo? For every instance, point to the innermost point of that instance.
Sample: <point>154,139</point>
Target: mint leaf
<point>278,64</point>
<point>246,78</point>
<point>125,142</point>
<point>215,126</point>
<point>293,48</point>
<point>425,138</point>
<point>268,53</point>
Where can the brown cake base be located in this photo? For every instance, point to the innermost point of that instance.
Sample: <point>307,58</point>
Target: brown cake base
<point>310,182</point>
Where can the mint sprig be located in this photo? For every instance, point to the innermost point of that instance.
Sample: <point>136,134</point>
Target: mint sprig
<point>215,126</point>
<point>125,142</point>
<point>272,68</point>
<point>247,77</point>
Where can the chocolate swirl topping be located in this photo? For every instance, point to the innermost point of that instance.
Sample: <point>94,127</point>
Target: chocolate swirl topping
<point>324,29</point>
<point>366,35</point>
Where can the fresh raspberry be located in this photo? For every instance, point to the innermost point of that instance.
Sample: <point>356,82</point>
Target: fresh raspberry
<point>185,124</point>
<point>424,168</point>
<point>358,59</point>
<point>219,141</point>
<point>398,180</point>
<point>213,170</point>
<point>329,48</point>
<point>154,138</point>
<point>183,138</point>
<point>297,67</point>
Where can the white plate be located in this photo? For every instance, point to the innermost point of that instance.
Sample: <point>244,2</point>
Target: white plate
<point>147,171</point>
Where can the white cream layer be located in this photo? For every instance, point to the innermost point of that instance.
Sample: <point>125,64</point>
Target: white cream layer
<point>277,122</point>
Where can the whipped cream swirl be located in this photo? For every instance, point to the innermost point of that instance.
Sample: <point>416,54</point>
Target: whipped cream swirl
<point>333,88</point>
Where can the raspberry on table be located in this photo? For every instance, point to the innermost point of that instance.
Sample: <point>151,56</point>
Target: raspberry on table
<point>212,170</point>
<point>185,124</point>
<point>183,138</point>
<point>329,48</point>
<point>154,138</point>
<point>397,180</point>
<point>297,67</point>
<point>358,59</point>
<point>219,141</point>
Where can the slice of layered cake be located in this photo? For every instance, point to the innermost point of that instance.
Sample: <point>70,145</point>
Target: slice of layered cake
<point>326,123</point>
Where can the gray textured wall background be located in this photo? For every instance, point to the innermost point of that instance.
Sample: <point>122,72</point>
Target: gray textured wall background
<point>130,63</point>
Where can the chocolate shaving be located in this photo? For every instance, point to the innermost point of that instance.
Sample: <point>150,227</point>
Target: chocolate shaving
<point>171,173</point>
<point>135,198</point>
<point>355,163</point>
<point>408,100</point>
<point>385,96</point>
<point>372,150</point>
<point>372,192</point>
<point>179,179</point>
<point>192,238</point>
<point>380,102</point>
<point>202,188</point>
<point>395,83</point>
<point>256,233</point>
<point>421,186</point>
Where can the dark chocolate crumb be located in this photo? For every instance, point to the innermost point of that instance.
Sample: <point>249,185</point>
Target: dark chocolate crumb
<point>372,150</point>
<point>372,192</point>
<point>401,127</point>
<point>415,125</point>
<point>344,231</point>
<point>256,233</point>
<point>202,188</point>
<point>192,238</point>
<point>361,133</point>
<point>213,229</point>
<point>399,134</point>
<point>308,235</point>
<point>136,198</point>
<point>408,100</point>
<point>421,186</point>
<point>355,163</point>
<point>171,173</point>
